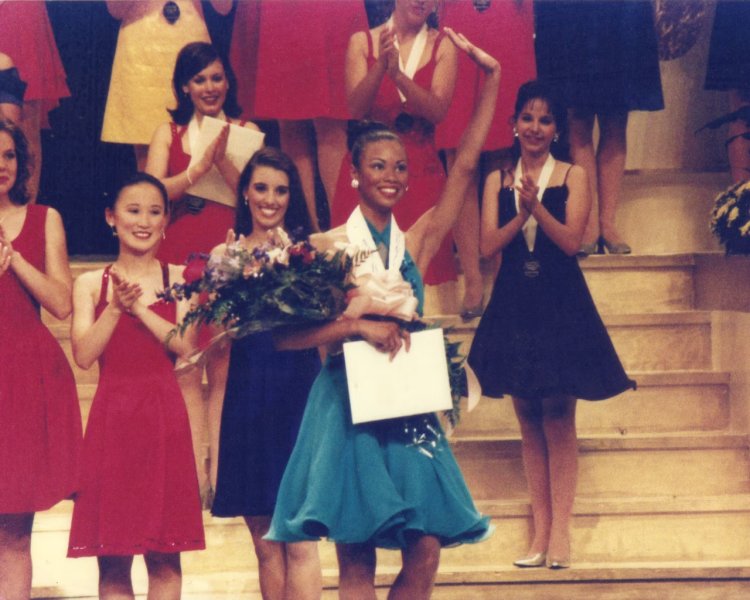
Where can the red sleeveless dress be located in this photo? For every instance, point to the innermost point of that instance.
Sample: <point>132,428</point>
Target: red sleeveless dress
<point>426,173</point>
<point>289,56</point>
<point>138,487</point>
<point>192,233</point>
<point>40,422</point>
<point>505,29</point>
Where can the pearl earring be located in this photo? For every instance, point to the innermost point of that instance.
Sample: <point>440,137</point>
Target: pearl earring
<point>355,183</point>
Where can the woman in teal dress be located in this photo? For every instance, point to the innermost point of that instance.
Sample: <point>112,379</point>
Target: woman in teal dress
<point>375,485</point>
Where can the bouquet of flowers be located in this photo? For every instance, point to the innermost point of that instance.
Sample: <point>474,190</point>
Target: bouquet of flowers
<point>730,218</point>
<point>279,284</point>
<point>286,283</point>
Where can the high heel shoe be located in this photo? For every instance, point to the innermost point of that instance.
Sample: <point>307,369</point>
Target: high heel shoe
<point>537,560</point>
<point>588,249</point>
<point>612,247</point>
<point>558,563</point>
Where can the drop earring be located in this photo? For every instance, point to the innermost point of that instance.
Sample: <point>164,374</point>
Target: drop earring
<point>114,231</point>
<point>355,183</point>
<point>163,234</point>
<point>556,138</point>
<point>515,132</point>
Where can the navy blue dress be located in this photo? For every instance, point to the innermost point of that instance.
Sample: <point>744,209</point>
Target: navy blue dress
<point>265,398</point>
<point>541,334</point>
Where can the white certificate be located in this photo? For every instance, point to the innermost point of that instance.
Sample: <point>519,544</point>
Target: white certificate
<point>241,145</point>
<point>415,382</point>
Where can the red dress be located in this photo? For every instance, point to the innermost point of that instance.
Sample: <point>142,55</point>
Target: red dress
<point>191,233</point>
<point>301,51</point>
<point>26,36</point>
<point>505,29</point>
<point>426,173</point>
<point>40,422</point>
<point>138,488</point>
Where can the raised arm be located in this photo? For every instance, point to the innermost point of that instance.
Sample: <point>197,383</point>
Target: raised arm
<point>566,235</point>
<point>431,104</point>
<point>51,288</point>
<point>427,233</point>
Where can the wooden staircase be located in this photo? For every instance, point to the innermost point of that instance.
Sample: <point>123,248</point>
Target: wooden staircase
<point>663,504</point>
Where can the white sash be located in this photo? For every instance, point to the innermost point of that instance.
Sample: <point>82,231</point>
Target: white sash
<point>529,228</point>
<point>415,54</point>
<point>359,235</point>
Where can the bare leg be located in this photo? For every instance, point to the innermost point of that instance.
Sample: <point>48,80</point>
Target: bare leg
<point>141,154</point>
<point>297,142</point>
<point>562,449</point>
<point>582,153</point>
<point>534,452</point>
<point>610,165</point>
<point>417,576</point>
<point>738,150</point>
<point>32,127</point>
<point>356,571</point>
<point>271,559</point>
<point>114,578</point>
<point>331,139</point>
<point>15,556</point>
<point>216,373</point>
<point>164,576</point>
<point>466,236</point>
<point>192,391</point>
<point>304,580</point>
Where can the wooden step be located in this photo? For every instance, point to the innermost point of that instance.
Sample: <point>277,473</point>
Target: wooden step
<point>616,466</point>
<point>606,533</point>
<point>664,402</point>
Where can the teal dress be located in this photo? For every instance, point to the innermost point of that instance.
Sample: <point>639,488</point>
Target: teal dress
<point>382,483</point>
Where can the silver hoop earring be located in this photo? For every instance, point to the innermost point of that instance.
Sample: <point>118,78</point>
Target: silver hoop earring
<point>355,183</point>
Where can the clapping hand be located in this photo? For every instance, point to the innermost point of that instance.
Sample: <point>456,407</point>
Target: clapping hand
<point>124,293</point>
<point>485,62</point>
<point>528,194</point>
<point>213,154</point>
<point>388,52</point>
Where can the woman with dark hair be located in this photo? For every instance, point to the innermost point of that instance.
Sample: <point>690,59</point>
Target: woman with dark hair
<point>266,392</point>
<point>541,339</point>
<point>138,491</point>
<point>394,483</point>
<point>40,428</point>
<point>203,86</point>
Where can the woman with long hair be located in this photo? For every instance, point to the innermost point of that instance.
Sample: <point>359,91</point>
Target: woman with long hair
<point>40,429</point>
<point>266,392</point>
<point>541,339</point>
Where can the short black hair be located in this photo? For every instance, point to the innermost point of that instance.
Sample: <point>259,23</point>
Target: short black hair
<point>137,179</point>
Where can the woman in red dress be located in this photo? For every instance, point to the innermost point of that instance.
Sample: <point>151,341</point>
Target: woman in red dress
<point>40,428</point>
<point>203,86</point>
<point>138,491</point>
<point>289,58</point>
<point>505,29</point>
<point>411,99</point>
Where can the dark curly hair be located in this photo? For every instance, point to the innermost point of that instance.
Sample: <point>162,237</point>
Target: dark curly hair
<point>191,60</point>
<point>297,219</point>
<point>19,193</point>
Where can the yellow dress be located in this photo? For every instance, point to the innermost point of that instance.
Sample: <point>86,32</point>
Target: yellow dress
<point>140,90</point>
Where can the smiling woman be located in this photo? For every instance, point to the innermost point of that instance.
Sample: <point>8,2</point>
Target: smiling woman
<point>138,488</point>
